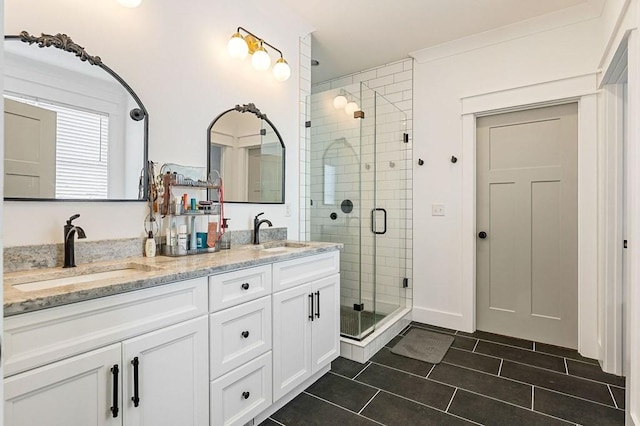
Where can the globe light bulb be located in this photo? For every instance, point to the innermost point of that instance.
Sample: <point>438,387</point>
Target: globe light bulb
<point>237,47</point>
<point>281,70</point>
<point>340,102</point>
<point>261,59</point>
<point>351,108</point>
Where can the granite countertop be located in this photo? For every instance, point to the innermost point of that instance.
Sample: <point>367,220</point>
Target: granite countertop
<point>145,272</point>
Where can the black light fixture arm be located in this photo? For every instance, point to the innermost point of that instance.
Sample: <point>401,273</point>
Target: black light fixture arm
<point>261,40</point>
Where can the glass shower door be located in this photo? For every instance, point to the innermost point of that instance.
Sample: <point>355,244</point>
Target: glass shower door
<point>356,189</point>
<point>391,209</point>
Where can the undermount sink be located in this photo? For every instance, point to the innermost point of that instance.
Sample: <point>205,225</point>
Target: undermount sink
<point>52,279</point>
<point>280,246</point>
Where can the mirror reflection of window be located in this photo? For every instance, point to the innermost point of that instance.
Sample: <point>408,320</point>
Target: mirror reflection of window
<point>94,151</point>
<point>329,184</point>
<point>81,141</point>
<point>249,154</point>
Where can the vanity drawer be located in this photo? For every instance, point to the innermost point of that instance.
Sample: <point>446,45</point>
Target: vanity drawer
<point>303,270</point>
<point>241,394</point>
<point>233,288</point>
<point>239,334</point>
<point>41,337</point>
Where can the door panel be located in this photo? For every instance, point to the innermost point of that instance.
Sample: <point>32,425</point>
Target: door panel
<point>503,227</point>
<point>291,339</point>
<point>173,380</point>
<point>75,391</point>
<point>325,345</point>
<point>30,165</point>
<point>527,204</point>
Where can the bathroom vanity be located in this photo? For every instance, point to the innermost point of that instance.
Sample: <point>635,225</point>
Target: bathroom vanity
<point>214,339</point>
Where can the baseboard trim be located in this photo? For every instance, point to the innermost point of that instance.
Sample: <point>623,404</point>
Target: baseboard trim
<point>441,319</point>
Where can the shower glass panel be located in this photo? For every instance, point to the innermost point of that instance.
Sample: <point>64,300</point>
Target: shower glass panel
<point>357,187</point>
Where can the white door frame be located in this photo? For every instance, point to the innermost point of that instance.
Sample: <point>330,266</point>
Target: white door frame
<point>611,215</point>
<point>581,89</point>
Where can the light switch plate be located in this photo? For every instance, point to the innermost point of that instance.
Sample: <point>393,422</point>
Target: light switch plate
<point>287,210</point>
<point>437,210</point>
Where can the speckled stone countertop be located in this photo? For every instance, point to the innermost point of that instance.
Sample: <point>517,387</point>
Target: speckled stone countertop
<point>146,272</point>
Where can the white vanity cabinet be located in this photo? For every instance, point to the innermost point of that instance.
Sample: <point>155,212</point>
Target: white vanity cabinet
<point>240,345</point>
<point>306,319</point>
<point>75,364</point>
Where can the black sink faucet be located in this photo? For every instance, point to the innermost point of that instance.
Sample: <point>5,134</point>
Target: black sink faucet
<point>256,227</point>
<point>69,233</point>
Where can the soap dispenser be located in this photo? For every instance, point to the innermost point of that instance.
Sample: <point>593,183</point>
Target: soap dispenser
<point>150,246</point>
<point>225,240</point>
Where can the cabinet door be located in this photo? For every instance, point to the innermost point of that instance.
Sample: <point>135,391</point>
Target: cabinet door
<point>325,344</point>
<point>291,339</point>
<point>172,376</point>
<point>77,391</point>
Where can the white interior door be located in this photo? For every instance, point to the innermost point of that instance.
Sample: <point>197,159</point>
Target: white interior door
<point>29,151</point>
<point>527,254</point>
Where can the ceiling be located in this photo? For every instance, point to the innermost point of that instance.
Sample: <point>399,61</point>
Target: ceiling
<point>355,35</point>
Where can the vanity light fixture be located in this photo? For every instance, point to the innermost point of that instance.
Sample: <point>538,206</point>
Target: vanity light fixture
<point>350,108</point>
<point>340,101</point>
<point>240,46</point>
<point>130,3</point>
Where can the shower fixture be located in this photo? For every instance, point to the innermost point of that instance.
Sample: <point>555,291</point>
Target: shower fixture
<point>240,46</point>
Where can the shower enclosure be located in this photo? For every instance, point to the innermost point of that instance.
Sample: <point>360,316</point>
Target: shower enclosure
<point>357,187</point>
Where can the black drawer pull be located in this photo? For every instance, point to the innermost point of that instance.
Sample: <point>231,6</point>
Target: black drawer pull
<point>114,408</point>
<point>135,398</point>
<point>245,395</point>
<point>245,334</point>
<point>311,310</point>
<point>245,286</point>
<point>318,313</point>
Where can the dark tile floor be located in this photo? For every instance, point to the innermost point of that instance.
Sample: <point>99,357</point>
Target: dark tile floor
<point>484,379</point>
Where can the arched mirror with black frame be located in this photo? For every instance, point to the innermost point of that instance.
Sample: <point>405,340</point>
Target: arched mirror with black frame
<point>247,150</point>
<point>74,129</point>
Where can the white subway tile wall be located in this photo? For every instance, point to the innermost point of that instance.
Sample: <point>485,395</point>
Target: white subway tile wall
<point>357,151</point>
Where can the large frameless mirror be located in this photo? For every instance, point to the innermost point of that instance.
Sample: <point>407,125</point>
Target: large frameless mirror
<point>248,152</point>
<point>74,129</point>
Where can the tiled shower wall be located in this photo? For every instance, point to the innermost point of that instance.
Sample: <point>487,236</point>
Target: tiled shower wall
<point>335,140</point>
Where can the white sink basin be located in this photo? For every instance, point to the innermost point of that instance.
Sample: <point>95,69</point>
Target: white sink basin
<point>44,281</point>
<point>280,246</point>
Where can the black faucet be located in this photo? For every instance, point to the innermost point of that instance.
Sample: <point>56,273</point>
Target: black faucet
<point>256,227</point>
<point>69,233</point>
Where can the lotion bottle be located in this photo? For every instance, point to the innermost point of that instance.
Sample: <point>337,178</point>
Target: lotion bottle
<point>150,246</point>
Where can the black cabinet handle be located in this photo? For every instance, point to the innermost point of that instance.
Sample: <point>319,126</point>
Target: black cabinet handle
<point>482,235</point>
<point>246,395</point>
<point>114,408</point>
<point>311,310</point>
<point>245,286</point>
<point>136,397</point>
<point>318,313</point>
<point>245,334</point>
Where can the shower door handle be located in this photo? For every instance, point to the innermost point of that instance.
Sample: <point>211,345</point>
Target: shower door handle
<point>373,221</point>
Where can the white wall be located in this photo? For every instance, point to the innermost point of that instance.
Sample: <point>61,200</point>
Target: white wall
<point>2,226</point>
<point>503,59</point>
<point>174,56</point>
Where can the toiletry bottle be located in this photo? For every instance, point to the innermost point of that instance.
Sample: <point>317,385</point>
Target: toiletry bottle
<point>150,246</point>
<point>225,240</point>
<point>182,237</point>
<point>193,243</point>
